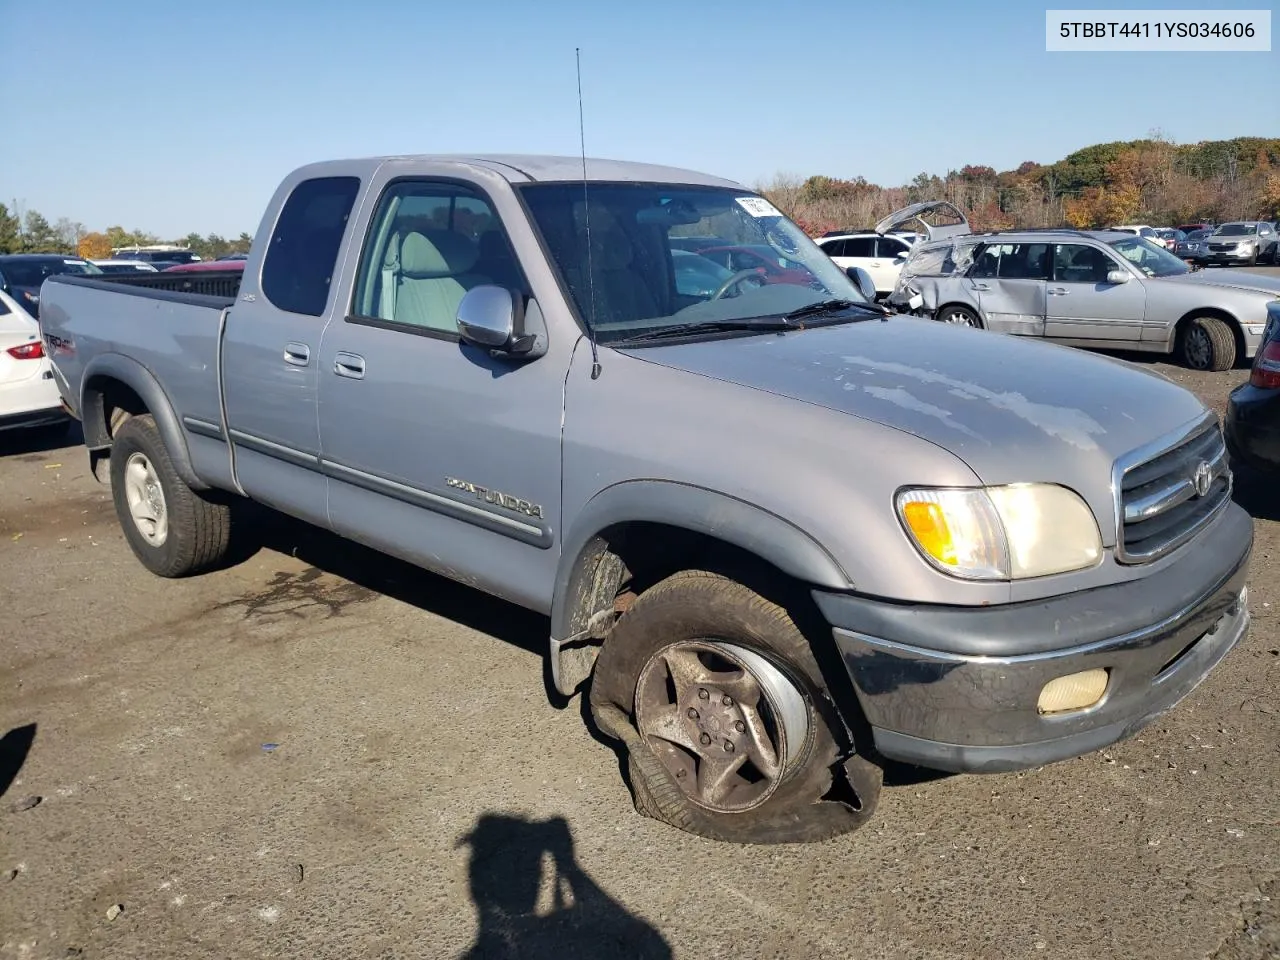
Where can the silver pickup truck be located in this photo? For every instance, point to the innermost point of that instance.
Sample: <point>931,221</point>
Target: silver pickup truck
<point>783,533</point>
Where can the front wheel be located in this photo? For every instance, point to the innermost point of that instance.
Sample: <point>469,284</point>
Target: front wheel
<point>1208,343</point>
<point>719,701</point>
<point>171,528</point>
<point>959,316</point>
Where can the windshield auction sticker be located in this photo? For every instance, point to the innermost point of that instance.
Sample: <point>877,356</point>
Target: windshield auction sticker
<point>758,207</point>
<point>1122,31</point>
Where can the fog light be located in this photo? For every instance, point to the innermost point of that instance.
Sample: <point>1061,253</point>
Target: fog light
<point>1075,691</point>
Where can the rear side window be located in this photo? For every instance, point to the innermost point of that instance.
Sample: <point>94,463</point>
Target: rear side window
<point>303,251</point>
<point>939,261</point>
<point>1014,261</point>
<point>833,248</point>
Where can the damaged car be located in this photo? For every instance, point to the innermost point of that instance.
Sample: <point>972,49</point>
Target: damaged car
<point>1098,289</point>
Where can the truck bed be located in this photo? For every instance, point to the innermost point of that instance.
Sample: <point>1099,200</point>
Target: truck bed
<point>166,324</point>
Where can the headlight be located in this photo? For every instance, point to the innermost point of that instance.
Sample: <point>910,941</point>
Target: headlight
<point>999,533</point>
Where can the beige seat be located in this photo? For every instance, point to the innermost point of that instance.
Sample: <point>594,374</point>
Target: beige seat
<point>425,276</point>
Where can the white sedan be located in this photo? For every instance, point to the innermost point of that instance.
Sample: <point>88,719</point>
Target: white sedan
<point>28,393</point>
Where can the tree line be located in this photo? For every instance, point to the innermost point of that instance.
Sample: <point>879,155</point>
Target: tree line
<point>1154,181</point>
<point>31,232</point>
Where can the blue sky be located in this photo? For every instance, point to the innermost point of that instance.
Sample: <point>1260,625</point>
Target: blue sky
<point>173,117</point>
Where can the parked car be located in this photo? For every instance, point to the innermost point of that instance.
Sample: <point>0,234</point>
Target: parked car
<point>1139,230</point>
<point>1248,242</point>
<point>29,398</point>
<point>1252,423</point>
<point>124,266</point>
<point>1194,247</point>
<point>1193,227</point>
<point>1169,237</point>
<point>159,253</point>
<point>880,256</point>
<point>22,274</point>
<point>1103,289</point>
<point>701,496</point>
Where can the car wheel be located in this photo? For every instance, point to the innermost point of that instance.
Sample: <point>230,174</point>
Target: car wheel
<point>959,316</point>
<point>172,529</point>
<point>1208,343</point>
<point>718,700</point>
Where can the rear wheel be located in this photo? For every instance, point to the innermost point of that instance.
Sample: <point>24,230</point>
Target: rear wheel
<point>959,316</point>
<point>1208,343</point>
<point>719,702</point>
<point>171,528</point>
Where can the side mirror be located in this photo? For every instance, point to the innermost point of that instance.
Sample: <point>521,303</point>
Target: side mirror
<point>1117,276</point>
<point>492,317</point>
<point>863,281</point>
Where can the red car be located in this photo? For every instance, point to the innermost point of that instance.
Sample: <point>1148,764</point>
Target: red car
<point>1188,227</point>
<point>759,257</point>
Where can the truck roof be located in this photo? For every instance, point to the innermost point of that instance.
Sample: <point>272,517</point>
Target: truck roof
<point>529,168</point>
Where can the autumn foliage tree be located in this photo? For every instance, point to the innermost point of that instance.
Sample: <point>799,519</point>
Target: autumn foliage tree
<point>1152,181</point>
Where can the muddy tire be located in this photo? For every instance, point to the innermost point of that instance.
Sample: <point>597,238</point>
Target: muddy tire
<point>719,702</point>
<point>1208,343</point>
<point>958,316</point>
<point>172,530</point>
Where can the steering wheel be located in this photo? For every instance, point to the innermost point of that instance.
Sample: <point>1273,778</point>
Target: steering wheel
<point>734,280</point>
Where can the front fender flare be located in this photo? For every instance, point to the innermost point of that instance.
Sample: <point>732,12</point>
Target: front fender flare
<point>142,382</point>
<point>698,509</point>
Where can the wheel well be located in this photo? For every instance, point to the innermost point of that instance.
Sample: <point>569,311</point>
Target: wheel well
<point>956,303</point>
<point>1231,321</point>
<point>107,404</point>
<point>626,559</point>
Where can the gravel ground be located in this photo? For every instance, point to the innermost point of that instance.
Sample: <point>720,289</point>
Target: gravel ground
<point>322,753</point>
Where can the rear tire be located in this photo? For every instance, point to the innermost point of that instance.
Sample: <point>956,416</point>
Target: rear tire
<point>674,682</point>
<point>172,529</point>
<point>1208,343</point>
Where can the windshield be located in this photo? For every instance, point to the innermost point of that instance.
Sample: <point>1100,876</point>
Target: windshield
<point>1152,259</point>
<point>1236,230</point>
<point>751,261</point>
<point>32,273</point>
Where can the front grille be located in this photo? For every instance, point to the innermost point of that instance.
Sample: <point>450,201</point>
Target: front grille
<point>1164,500</point>
<point>1222,247</point>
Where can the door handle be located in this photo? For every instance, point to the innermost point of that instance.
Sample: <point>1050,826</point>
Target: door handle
<point>298,354</point>
<point>348,365</point>
<point>1058,292</point>
<point>981,286</point>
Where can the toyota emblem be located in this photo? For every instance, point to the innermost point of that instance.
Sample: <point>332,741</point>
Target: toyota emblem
<point>1202,479</point>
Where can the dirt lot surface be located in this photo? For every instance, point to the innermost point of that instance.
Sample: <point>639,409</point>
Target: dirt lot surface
<point>319,753</point>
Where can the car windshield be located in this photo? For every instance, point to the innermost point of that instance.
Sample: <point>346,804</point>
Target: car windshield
<point>1236,230</point>
<point>1152,259</point>
<point>629,281</point>
<point>32,273</point>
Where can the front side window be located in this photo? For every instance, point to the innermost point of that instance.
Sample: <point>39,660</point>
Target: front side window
<point>1153,260</point>
<point>1078,263</point>
<point>889,249</point>
<point>303,251</point>
<point>623,282</point>
<point>429,243</point>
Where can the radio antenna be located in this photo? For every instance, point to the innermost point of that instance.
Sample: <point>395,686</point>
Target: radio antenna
<point>586,210</point>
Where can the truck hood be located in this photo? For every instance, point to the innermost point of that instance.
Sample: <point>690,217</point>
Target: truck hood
<point>1013,410</point>
<point>1235,279</point>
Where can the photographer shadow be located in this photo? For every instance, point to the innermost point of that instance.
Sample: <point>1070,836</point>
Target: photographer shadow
<point>535,901</point>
